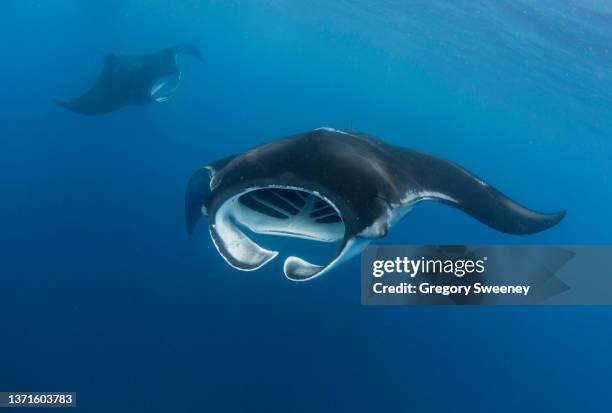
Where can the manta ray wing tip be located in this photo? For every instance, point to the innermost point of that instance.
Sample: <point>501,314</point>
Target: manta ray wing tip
<point>557,217</point>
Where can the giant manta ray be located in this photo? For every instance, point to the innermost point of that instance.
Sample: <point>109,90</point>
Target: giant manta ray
<point>132,79</point>
<point>330,185</point>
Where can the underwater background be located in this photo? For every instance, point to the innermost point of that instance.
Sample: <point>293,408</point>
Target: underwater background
<point>102,291</point>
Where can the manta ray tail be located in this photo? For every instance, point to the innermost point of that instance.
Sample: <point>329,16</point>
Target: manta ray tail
<point>449,183</point>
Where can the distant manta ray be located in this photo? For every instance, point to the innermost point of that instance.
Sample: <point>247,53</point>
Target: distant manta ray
<point>330,185</point>
<point>132,79</point>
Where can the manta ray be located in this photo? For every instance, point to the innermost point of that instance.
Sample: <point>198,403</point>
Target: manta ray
<point>132,79</point>
<point>335,186</point>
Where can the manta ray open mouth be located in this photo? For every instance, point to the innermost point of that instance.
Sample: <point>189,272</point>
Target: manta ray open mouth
<point>282,211</point>
<point>164,88</point>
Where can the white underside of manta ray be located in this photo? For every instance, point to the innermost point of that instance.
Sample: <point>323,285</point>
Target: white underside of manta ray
<point>329,185</point>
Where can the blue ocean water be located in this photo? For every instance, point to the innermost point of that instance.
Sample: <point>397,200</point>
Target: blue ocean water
<point>102,292</point>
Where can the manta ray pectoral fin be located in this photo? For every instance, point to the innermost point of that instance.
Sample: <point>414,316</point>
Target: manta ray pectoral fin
<point>105,95</point>
<point>298,269</point>
<point>198,189</point>
<point>443,181</point>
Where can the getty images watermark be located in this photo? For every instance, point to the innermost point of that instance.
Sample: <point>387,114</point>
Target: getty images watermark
<point>477,275</point>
